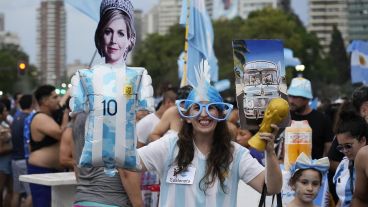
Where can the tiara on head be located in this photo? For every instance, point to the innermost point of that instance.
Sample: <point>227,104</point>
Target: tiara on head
<point>124,5</point>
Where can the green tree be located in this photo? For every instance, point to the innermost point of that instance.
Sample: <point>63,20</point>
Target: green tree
<point>159,54</point>
<point>10,80</point>
<point>338,57</point>
<point>268,23</point>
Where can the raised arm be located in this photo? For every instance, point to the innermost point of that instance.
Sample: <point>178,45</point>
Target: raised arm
<point>163,126</point>
<point>66,149</point>
<point>272,174</point>
<point>45,125</point>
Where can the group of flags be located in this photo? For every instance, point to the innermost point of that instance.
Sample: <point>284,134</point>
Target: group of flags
<point>200,37</point>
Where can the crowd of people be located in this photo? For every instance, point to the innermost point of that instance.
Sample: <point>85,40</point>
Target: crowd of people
<point>193,142</point>
<point>38,136</point>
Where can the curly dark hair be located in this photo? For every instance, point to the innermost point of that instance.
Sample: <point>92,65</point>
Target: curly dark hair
<point>218,160</point>
<point>353,124</point>
<point>359,96</point>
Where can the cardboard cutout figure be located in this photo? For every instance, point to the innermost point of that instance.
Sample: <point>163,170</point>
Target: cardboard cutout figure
<point>111,93</point>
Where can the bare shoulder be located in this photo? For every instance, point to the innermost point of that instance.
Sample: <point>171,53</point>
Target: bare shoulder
<point>362,153</point>
<point>172,112</point>
<point>361,159</point>
<point>42,119</point>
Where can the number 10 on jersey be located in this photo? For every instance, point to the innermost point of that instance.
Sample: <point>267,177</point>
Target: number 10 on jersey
<point>110,107</point>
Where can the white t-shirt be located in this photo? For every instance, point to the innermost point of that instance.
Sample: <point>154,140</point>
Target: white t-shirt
<point>159,156</point>
<point>145,126</point>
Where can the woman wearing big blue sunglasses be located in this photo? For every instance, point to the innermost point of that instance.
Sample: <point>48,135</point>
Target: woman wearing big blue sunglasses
<point>201,166</point>
<point>351,133</point>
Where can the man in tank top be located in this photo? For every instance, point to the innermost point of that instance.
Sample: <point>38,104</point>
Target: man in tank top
<point>44,142</point>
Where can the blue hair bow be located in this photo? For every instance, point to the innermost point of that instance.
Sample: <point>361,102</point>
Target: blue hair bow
<point>304,162</point>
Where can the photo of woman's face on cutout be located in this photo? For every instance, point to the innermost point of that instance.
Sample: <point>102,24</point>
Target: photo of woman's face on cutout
<point>115,34</point>
<point>116,41</point>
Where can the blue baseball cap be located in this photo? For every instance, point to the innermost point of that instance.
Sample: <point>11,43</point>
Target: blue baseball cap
<point>300,87</point>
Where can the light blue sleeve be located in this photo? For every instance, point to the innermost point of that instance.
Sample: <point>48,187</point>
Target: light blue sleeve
<point>145,93</point>
<point>78,101</point>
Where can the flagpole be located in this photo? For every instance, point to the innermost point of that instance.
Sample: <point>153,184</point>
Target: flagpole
<point>93,58</point>
<point>184,77</point>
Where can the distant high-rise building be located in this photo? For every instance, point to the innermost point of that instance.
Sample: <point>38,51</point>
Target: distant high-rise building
<point>247,6</point>
<point>358,19</point>
<point>7,37</point>
<point>2,22</point>
<point>138,25</point>
<point>166,14</point>
<point>150,22</point>
<point>169,14</point>
<point>51,39</point>
<point>323,15</point>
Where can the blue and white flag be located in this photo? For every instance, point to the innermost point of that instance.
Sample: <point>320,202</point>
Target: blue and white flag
<point>200,39</point>
<point>359,61</point>
<point>289,58</point>
<point>227,9</point>
<point>91,8</point>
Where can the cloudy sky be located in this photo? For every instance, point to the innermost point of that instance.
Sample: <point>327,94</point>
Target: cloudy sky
<point>21,18</point>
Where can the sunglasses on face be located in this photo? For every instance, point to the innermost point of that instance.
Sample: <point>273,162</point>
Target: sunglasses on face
<point>191,109</point>
<point>344,147</point>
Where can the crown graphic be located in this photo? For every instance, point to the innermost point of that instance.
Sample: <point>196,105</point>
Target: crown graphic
<point>124,5</point>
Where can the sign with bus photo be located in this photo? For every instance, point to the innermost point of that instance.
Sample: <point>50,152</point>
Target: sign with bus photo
<point>259,77</point>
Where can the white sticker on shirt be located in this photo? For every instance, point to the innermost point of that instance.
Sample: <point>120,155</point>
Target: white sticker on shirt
<point>185,177</point>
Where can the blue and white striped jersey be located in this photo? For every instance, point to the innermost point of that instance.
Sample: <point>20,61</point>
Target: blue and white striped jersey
<point>160,155</point>
<point>342,183</point>
<point>111,95</point>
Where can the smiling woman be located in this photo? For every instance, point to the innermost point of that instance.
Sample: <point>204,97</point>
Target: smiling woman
<point>352,134</point>
<point>201,166</point>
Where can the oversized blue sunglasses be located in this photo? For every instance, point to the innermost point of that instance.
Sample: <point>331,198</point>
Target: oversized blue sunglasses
<point>219,111</point>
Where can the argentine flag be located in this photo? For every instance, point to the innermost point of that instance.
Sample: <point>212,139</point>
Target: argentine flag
<point>359,61</point>
<point>200,39</point>
<point>91,8</point>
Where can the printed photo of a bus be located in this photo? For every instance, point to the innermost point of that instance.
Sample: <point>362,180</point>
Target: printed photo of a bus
<point>261,84</point>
